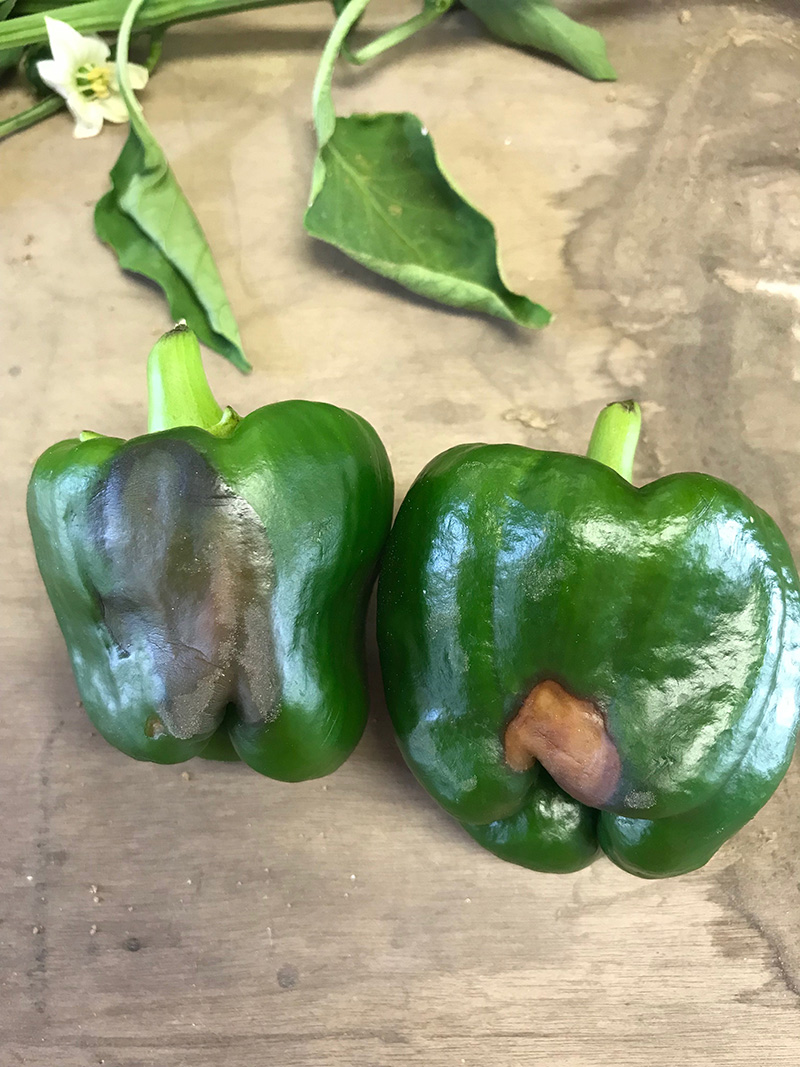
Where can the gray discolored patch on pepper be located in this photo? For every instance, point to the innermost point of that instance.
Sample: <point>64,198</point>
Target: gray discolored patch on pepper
<point>184,574</point>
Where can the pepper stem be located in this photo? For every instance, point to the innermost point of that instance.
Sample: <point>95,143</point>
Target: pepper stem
<point>615,437</point>
<point>434,9</point>
<point>177,388</point>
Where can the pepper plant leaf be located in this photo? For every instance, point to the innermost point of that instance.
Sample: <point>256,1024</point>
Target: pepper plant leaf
<point>380,194</point>
<point>539,24</point>
<point>148,222</point>
<point>386,202</point>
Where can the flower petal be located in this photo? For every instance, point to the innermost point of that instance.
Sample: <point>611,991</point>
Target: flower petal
<point>71,49</point>
<point>138,75</point>
<point>95,51</point>
<point>52,74</point>
<point>66,44</point>
<point>88,116</point>
<point>83,130</point>
<point>113,108</point>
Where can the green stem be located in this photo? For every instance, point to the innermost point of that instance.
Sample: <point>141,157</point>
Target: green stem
<point>135,113</point>
<point>615,437</point>
<point>177,388</point>
<point>98,16</point>
<point>155,49</point>
<point>123,73</point>
<point>322,100</point>
<point>37,7</point>
<point>49,106</point>
<point>400,33</point>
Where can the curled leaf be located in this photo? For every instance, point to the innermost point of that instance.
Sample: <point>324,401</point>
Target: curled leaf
<point>382,197</point>
<point>380,194</point>
<point>539,24</point>
<point>149,223</point>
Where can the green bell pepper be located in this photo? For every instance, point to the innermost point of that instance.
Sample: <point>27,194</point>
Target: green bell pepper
<point>572,663</point>
<point>211,578</point>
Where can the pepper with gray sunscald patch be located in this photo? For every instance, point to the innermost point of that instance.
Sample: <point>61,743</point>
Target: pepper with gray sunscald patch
<point>573,663</point>
<point>183,572</point>
<point>211,578</point>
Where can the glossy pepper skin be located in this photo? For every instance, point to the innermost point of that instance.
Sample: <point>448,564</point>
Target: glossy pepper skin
<point>572,663</point>
<point>211,583</point>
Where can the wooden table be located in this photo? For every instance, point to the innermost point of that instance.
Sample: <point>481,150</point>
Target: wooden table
<point>199,915</point>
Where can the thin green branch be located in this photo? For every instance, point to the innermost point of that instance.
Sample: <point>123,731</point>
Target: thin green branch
<point>42,110</point>
<point>321,100</point>
<point>37,7</point>
<point>156,47</point>
<point>398,34</point>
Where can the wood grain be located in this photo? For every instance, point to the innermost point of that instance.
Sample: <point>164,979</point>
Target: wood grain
<point>200,915</point>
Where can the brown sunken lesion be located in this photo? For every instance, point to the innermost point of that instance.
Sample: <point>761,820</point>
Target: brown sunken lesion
<point>568,736</point>
<point>154,727</point>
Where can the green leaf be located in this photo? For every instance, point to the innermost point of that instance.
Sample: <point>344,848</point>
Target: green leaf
<point>539,24</point>
<point>380,194</point>
<point>6,7</point>
<point>147,220</point>
<point>385,201</point>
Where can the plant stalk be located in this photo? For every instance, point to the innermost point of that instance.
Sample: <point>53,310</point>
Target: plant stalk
<point>398,34</point>
<point>25,119</point>
<point>99,16</point>
<point>177,388</point>
<point>615,437</point>
<point>321,100</point>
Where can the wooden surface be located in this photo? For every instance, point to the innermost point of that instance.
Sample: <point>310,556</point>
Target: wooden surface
<point>199,915</point>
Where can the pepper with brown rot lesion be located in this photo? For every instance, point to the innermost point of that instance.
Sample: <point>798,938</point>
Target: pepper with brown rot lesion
<point>574,663</point>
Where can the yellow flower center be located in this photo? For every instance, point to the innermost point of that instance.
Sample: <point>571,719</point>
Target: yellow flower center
<point>94,82</point>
